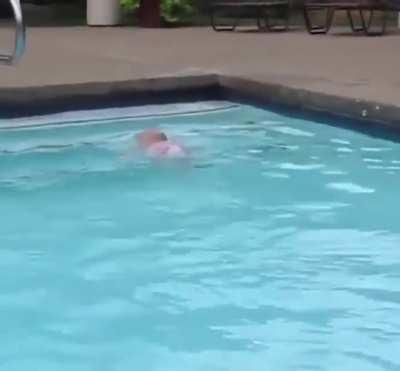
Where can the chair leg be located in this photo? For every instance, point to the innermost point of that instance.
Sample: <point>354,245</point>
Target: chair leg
<point>368,23</point>
<point>218,27</point>
<point>353,25</point>
<point>280,27</point>
<point>319,29</point>
<point>262,15</point>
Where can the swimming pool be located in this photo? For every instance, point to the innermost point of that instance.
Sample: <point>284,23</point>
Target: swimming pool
<point>276,248</point>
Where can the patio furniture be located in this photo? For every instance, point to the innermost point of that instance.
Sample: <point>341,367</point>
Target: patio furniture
<point>261,10</point>
<point>365,9</point>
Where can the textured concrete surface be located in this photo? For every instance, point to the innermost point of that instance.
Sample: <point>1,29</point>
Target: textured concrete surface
<point>341,64</point>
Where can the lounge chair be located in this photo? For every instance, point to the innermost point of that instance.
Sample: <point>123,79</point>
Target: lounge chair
<point>260,9</point>
<point>365,9</point>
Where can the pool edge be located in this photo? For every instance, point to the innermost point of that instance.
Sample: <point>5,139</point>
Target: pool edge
<point>34,100</point>
<point>15,102</point>
<point>309,101</point>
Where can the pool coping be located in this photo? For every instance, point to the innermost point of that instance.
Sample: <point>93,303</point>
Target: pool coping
<point>27,101</point>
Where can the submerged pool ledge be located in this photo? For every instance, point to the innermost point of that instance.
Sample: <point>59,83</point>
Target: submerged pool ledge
<point>22,102</point>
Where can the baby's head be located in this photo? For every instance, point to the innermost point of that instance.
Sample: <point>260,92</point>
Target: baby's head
<point>147,138</point>
<point>156,144</point>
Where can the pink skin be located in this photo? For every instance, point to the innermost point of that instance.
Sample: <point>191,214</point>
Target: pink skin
<point>156,144</point>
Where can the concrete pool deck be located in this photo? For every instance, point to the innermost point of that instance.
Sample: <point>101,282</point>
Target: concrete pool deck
<point>321,72</point>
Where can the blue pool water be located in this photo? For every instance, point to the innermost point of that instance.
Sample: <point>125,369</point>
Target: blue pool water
<point>276,248</point>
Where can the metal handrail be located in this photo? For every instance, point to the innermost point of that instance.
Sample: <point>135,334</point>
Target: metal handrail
<point>20,38</point>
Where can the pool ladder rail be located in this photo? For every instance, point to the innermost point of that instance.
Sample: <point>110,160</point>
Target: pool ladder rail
<point>20,37</point>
